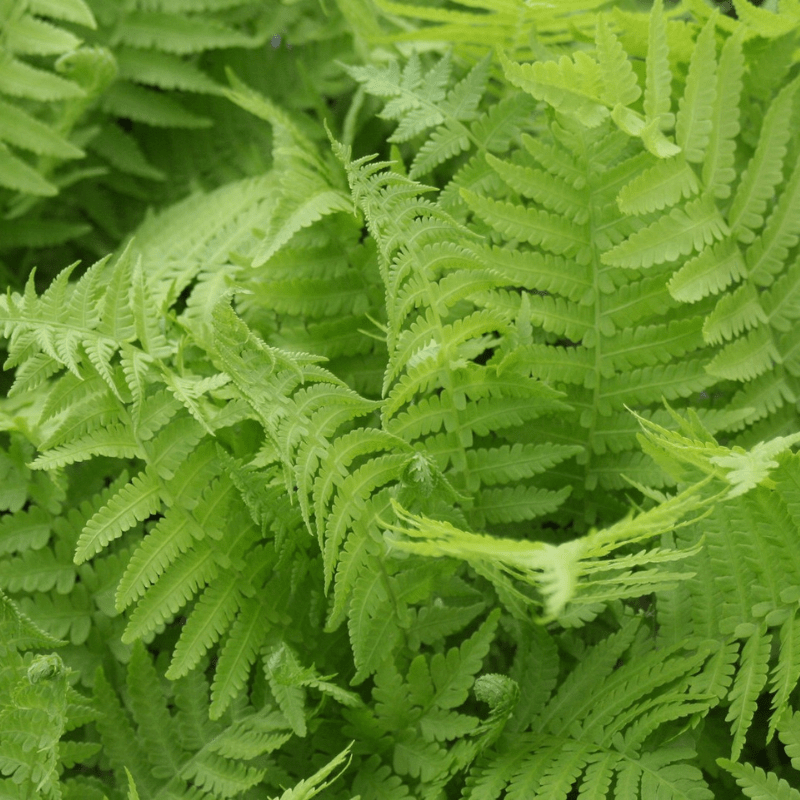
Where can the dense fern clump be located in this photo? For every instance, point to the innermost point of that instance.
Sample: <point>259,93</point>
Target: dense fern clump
<point>322,479</point>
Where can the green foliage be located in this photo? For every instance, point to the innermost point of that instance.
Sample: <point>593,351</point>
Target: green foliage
<point>325,480</point>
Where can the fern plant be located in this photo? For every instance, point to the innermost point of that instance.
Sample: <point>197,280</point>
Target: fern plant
<point>604,219</point>
<point>325,467</point>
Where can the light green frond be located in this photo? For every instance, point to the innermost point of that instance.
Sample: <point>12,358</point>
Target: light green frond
<point>65,616</point>
<point>21,129</point>
<point>764,171</point>
<point>789,733</point>
<point>172,536</point>
<point>220,777</point>
<point>713,270</point>
<point>695,108</point>
<point>156,728</point>
<point>501,124</point>
<point>23,530</point>
<point>19,79</point>
<point>765,23</point>
<point>555,571</point>
<point>157,410</point>
<point>554,195</point>
<point>587,741</point>
<point>350,503</point>
<point>657,91</point>
<point>454,673</point>
<point>620,85</point>
<point>248,633</point>
<point>735,312</point>
<point>664,184</point>
<point>148,327</point>
<point>669,381</point>
<point>747,357</point>
<point>310,787</point>
<point>179,33</point>
<point>513,463</point>
<point>718,167</point>
<point>336,464</point>
<point>165,70</point>
<point>691,227</point>
<point>459,107</point>
<point>183,747</point>
<point>251,736</point>
<point>768,254</point>
<point>572,86</point>
<point>758,784</point>
<point>173,590</point>
<point>569,365</point>
<point>36,571</point>
<point>133,503</point>
<point>530,225</point>
<point>81,325</point>
<point>116,316</point>
<point>785,673</point>
<point>16,174</point>
<point>115,441</point>
<point>33,372</point>
<point>373,628</point>
<point>210,618</point>
<point>418,102</point>
<point>132,101</point>
<point>535,270</point>
<point>517,503</point>
<point>83,407</point>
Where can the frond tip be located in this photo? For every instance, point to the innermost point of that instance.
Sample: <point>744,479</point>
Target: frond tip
<point>562,573</point>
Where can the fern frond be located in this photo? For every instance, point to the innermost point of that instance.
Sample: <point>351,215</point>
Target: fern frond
<point>472,27</point>
<point>535,227</point>
<point>541,187</point>
<point>310,786</point>
<point>179,33</point>
<point>25,125</point>
<point>588,741</point>
<point>555,570</point>
<point>788,731</point>
<point>657,86</point>
<point>764,171</point>
<point>156,728</point>
<point>718,167</point>
<point>174,589</point>
<point>248,633</point>
<point>694,120</point>
<point>135,502</point>
<point>759,784</point>
<point>693,227</point>
<point>785,673</point>
<point>713,270</point>
<point>766,23</point>
<point>572,86</point>
<point>769,252</point>
<point>132,101</point>
<point>23,130</point>
<point>115,440</point>
<point>211,617</point>
<point>664,184</point>
<point>167,71</point>
<point>170,537</point>
<point>215,762</point>
<point>747,357</point>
